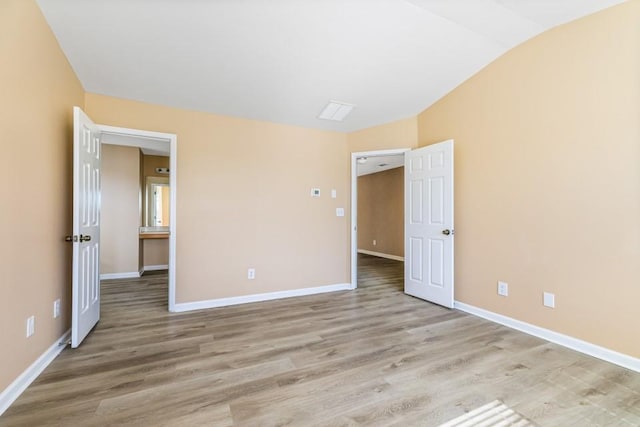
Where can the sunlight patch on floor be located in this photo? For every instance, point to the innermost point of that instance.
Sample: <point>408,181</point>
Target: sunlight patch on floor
<point>492,414</point>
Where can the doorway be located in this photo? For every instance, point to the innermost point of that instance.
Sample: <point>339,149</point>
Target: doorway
<point>428,220</point>
<point>154,144</point>
<point>371,162</point>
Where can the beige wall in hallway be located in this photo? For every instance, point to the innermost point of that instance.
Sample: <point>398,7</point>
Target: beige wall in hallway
<point>547,179</point>
<point>381,212</point>
<point>156,252</point>
<point>120,206</point>
<point>244,200</point>
<point>39,90</point>
<point>153,162</point>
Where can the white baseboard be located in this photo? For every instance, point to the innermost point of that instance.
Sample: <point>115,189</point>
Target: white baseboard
<point>20,384</point>
<point>155,267</point>
<point>576,344</point>
<point>223,302</point>
<point>381,255</point>
<point>126,275</point>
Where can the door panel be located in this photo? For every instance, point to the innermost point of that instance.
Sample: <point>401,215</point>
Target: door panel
<point>417,204</point>
<point>85,311</point>
<point>428,216</point>
<point>415,257</point>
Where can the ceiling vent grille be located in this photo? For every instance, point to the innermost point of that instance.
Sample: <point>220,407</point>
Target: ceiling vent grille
<point>336,111</point>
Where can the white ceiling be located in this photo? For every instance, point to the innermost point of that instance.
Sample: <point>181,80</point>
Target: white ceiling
<point>283,60</point>
<point>376,164</point>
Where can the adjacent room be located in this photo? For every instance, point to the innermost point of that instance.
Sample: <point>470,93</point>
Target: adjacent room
<point>320,213</point>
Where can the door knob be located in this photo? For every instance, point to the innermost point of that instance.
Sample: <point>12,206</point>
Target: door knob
<point>445,232</point>
<point>84,238</point>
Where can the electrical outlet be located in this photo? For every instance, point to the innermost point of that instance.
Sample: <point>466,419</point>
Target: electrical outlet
<point>56,308</point>
<point>549,300</point>
<point>31,326</point>
<point>503,288</point>
<point>251,273</point>
<point>374,242</point>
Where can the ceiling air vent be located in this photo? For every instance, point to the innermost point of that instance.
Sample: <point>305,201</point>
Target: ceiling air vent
<point>336,111</point>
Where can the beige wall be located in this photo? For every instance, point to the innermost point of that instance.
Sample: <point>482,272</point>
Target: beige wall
<point>547,179</point>
<point>153,162</point>
<point>381,212</point>
<point>156,252</point>
<point>120,209</point>
<point>38,90</point>
<point>399,134</point>
<point>243,200</point>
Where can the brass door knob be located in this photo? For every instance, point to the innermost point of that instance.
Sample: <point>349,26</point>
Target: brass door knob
<point>445,232</point>
<point>84,238</point>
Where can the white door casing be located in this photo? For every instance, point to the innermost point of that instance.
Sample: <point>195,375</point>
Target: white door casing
<point>86,227</point>
<point>429,228</point>
<point>149,139</point>
<point>354,203</point>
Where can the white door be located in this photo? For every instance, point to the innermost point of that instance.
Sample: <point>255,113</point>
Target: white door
<point>428,210</point>
<point>86,227</point>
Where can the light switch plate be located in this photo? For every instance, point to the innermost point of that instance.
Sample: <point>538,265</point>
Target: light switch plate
<point>31,326</point>
<point>334,194</point>
<point>549,300</point>
<point>339,211</point>
<point>56,308</point>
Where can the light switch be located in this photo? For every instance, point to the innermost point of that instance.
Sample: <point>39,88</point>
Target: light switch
<point>339,211</point>
<point>334,194</point>
<point>549,299</point>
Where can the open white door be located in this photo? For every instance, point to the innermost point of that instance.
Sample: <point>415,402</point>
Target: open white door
<point>428,210</point>
<point>86,227</point>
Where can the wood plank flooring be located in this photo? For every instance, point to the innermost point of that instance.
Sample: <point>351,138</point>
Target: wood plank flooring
<point>373,356</point>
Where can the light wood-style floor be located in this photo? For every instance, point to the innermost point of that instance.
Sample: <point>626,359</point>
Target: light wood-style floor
<point>373,356</point>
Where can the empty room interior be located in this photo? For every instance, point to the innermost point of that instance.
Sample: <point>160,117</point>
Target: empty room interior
<point>320,213</point>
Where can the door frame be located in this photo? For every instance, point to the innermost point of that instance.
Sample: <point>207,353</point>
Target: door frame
<point>354,203</point>
<point>146,139</point>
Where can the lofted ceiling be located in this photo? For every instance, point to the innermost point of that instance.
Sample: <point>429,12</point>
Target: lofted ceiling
<point>283,60</point>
